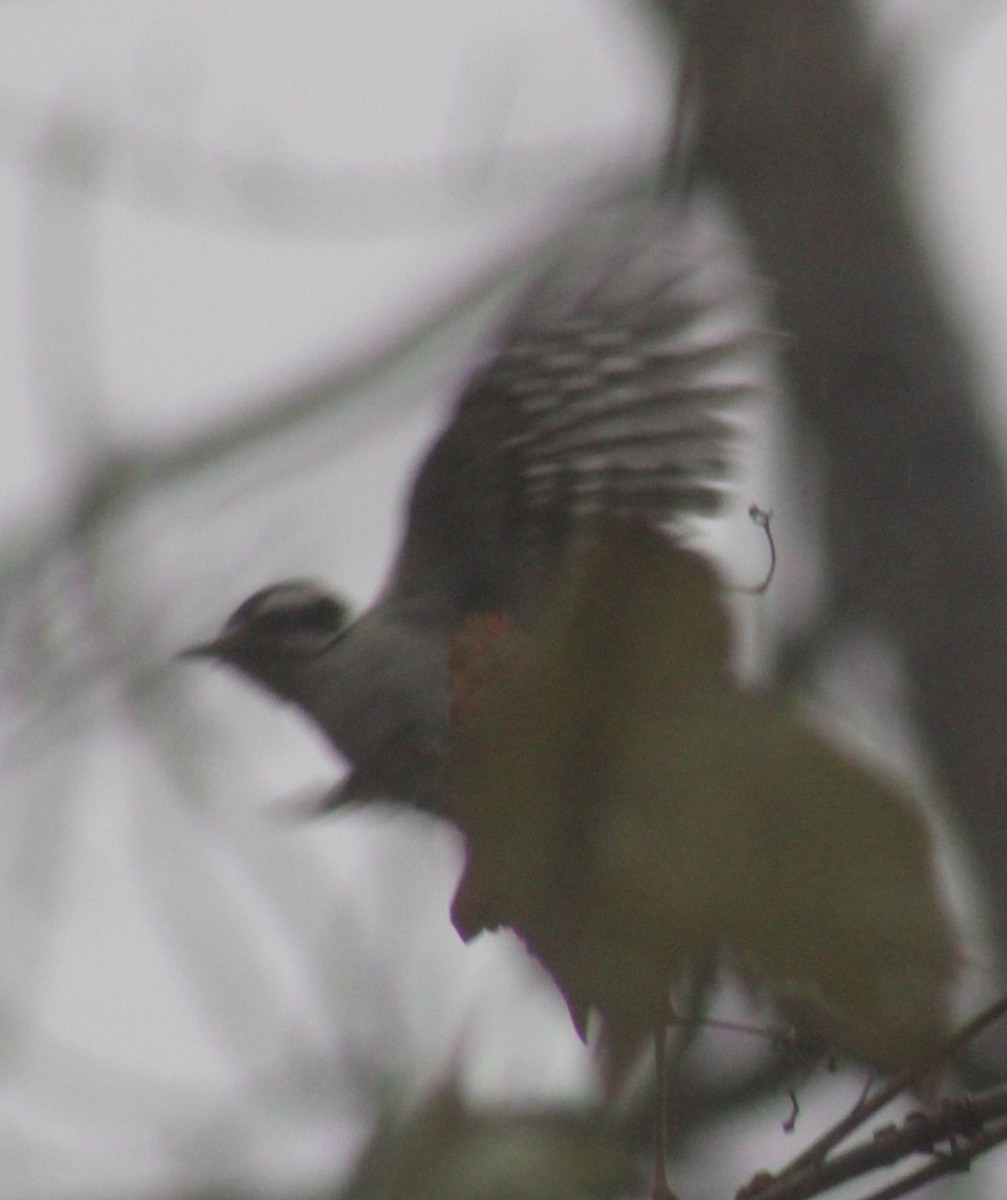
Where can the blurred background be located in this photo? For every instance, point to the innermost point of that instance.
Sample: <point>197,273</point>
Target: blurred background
<point>249,252</point>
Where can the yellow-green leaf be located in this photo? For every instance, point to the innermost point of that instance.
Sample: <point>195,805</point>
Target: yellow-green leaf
<point>637,817</point>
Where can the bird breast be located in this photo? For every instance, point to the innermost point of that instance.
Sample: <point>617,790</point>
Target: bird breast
<point>381,694</point>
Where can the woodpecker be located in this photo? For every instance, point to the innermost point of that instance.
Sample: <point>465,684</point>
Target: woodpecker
<point>613,388</point>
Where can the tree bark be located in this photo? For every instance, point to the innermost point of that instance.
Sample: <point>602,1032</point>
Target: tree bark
<point>802,135</point>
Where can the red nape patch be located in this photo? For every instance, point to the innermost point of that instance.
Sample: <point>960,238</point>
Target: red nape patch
<point>474,661</point>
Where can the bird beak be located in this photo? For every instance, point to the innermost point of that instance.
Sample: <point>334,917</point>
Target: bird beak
<point>200,650</point>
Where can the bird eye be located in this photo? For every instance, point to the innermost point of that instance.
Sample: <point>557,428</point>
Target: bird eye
<point>319,617</point>
<point>323,615</point>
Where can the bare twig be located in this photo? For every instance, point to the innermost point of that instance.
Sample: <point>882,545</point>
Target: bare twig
<point>962,1122</point>
<point>158,170</point>
<point>969,1126</point>
<point>867,1106</point>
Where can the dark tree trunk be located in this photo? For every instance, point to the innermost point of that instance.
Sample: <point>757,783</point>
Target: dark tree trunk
<point>802,135</point>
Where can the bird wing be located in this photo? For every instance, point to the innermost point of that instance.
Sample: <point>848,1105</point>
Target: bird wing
<point>610,389</point>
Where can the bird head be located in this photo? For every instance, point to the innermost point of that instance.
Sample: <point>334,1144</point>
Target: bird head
<point>272,634</point>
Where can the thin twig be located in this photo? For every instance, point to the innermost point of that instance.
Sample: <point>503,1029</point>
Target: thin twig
<point>960,1123</point>
<point>944,1164</point>
<point>865,1108</point>
<point>176,174</point>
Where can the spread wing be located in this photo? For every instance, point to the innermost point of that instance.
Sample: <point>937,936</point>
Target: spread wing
<point>613,387</point>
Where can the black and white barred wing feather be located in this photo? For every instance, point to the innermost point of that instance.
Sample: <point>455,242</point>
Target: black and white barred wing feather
<point>613,388</point>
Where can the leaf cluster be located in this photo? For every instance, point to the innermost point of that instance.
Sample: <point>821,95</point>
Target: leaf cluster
<point>641,820</point>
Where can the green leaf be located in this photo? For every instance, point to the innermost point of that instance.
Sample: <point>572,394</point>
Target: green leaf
<point>636,817</point>
<point>448,1151</point>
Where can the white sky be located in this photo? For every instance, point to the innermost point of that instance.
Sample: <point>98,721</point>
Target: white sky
<point>197,306</point>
